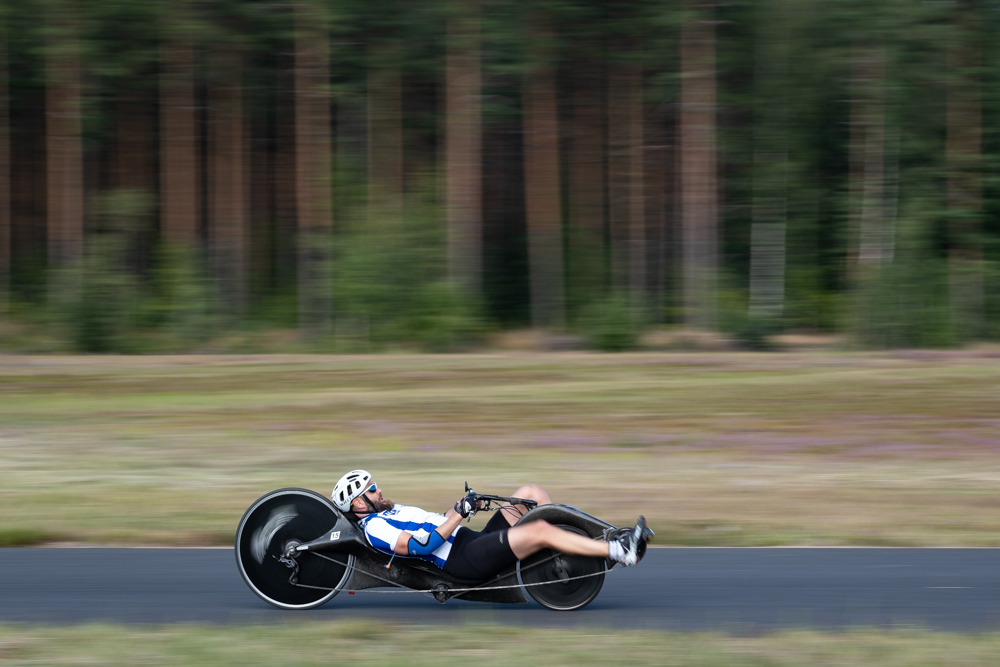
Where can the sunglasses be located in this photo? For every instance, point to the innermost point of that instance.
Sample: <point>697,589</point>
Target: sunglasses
<point>372,489</point>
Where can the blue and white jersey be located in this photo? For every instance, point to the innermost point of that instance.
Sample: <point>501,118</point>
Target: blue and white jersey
<point>383,529</point>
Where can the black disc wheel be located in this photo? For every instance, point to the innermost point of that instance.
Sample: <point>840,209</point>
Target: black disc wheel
<point>265,550</point>
<point>564,582</point>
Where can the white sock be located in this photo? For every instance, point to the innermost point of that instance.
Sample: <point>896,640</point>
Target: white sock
<point>616,551</point>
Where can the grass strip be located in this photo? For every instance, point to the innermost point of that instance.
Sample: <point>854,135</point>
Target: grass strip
<point>482,644</point>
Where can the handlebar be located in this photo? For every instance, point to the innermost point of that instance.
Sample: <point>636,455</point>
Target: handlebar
<point>487,500</point>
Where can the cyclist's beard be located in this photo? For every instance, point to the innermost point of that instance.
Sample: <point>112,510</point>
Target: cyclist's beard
<point>382,505</point>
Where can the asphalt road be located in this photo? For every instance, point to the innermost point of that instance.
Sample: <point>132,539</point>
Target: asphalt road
<point>732,590</point>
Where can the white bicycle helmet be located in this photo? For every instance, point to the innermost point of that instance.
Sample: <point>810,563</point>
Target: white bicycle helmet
<point>350,486</point>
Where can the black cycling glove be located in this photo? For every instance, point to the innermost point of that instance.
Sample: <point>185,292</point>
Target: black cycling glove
<point>467,505</point>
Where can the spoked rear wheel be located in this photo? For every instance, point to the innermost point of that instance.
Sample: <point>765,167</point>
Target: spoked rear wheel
<point>268,534</point>
<point>565,592</point>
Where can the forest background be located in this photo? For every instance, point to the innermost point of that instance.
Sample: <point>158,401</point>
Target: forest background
<point>334,175</point>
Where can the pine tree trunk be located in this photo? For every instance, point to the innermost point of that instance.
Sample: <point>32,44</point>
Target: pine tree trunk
<point>227,223</point>
<point>672,244</point>
<point>28,176</point>
<point>542,193</point>
<point>625,180</point>
<point>699,189</point>
<point>134,149</point>
<point>618,173</point>
<point>463,154</point>
<point>869,226</point>
<point>285,250</point>
<point>179,162</point>
<point>871,249</point>
<point>312,168</point>
<point>385,141</point>
<point>637,195</point>
<point>133,170</point>
<point>585,262</point>
<point>855,165</point>
<point>770,202</point>
<point>5,199</point>
<point>64,148</point>
<point>261,212</point>
<point>656,163</point>
<point>963,149</point>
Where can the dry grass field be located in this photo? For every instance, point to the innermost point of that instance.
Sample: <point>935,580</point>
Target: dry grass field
<point>817,448</point>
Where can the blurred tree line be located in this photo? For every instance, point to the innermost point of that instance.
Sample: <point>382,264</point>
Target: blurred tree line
<point>388,172</point>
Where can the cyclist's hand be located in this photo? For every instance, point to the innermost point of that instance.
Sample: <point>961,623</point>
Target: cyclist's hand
<point>467,505</point>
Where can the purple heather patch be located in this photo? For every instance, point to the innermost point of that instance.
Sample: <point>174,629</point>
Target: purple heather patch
<point>574,442</point>
<point>988,443</point>
<point>891,447</point>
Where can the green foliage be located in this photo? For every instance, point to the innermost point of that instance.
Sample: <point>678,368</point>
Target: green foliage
<point>104,304</point>
<point>904,303</point>
<point>97,301</point>
<point>443,318</point>
<point>752,332</point>
<point>388,287</point>
<point>907,307</point>
<point>808,305</point>
<point>991,280</point>
<point>124,213</point>
<point>613,323</point>
<point>23,537</point>
<point>181,302</point>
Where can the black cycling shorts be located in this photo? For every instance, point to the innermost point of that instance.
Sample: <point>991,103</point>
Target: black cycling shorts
<point>483,554</point>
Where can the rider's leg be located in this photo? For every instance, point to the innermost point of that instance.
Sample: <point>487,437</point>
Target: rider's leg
<point>528,538</point>
<point>527,492</point>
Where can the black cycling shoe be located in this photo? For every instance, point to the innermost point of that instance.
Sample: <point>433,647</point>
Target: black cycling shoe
<point>632,539</point>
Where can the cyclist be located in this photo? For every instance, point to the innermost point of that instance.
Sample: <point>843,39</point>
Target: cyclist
<point>461,552</point>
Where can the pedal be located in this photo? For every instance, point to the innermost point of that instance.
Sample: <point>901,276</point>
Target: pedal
<point>441,593</point>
